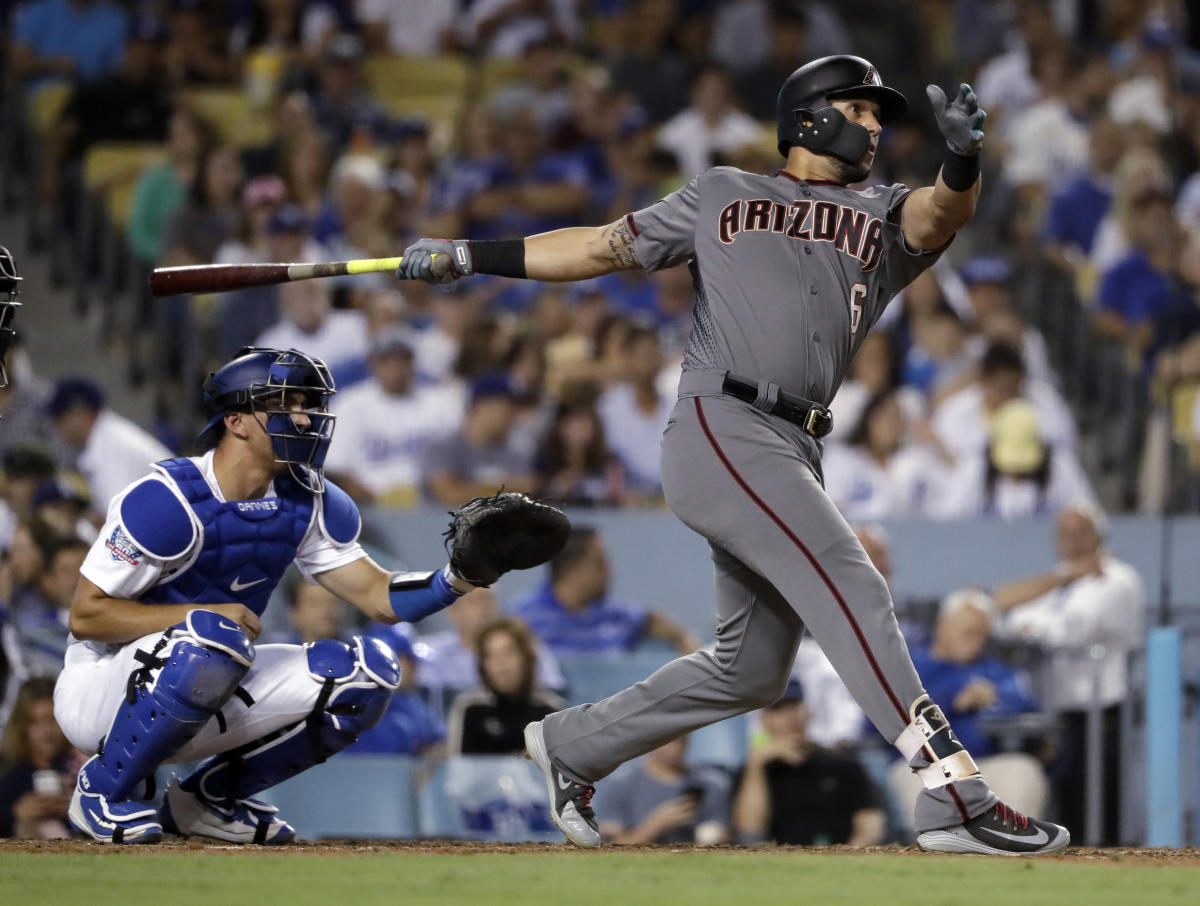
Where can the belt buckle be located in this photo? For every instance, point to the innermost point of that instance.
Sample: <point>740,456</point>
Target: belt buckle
<point>818,422</point>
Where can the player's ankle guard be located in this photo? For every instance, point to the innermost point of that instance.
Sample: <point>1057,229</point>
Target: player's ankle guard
<point>933,751</point>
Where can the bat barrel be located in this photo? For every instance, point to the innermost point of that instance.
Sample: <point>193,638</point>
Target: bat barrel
<point>214,278</point>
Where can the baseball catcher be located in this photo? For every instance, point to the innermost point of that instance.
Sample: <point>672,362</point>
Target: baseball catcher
<point>162,666</point>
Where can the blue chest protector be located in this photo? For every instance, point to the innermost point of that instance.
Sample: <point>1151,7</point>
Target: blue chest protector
<point>248,544</point>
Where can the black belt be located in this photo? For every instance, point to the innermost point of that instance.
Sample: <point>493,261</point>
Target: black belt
<point>812,417</point>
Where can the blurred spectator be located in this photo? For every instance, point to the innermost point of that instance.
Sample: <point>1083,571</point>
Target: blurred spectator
<point>289,32</point>
<point>313,613</point>
<point>194,54</point>
<point>635,412</point>
<point>973,689</point>
<point>794,793</point>
<point>872,370</point>
<point>960,422</point>
<point>62,502</point>
<point>25,468</point>
<point>28,553</point>
<point>744,34</point>
<point>386,423</point>
<point>574,464</point>
<point>1005,83</point>
<point>311,324</point>
<point>574,612</point>
<point>541,86</point>
<point>40,617</point>
<point>491,720</point>
<point>988,279</point>
<point>501,28</point>
<point>212,210</point>
<point>411,28</point>
<point>23,407</point>
<point>1136,292</point>
<point>132,104</point>
<point>1077,207</point>
<point>341,106</point>
<point>1021,474</point>
<point>711,124</point>
<point>112,451</point>
<point>67,39</point>
<point>37,767</point>
<point>879,472</point>
<point>758,80</point>
<point>410,726</point>
<point>1141,172</point>
<point>305,169</point>
<point>648,66</point>
<point>480,458</point>
<point>661,799</point>
<point>1089,612</point>
<point>452,664</point>
<point>162,188</point>
<point>348,217</point>
<point>436,347</point>
<point>937,363</point>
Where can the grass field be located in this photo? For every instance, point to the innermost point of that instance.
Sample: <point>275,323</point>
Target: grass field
<point>398,874</point>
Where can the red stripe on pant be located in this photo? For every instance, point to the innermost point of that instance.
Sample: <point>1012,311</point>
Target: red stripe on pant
<point>833,589</point>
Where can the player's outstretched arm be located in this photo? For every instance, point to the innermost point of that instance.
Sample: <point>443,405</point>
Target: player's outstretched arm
<point>574,253</point>
<point>932,215</point>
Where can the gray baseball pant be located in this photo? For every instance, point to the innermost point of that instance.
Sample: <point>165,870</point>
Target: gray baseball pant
<point>785,559</point>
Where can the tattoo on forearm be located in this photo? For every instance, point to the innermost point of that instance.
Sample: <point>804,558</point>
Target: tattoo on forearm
<point>620,246</point>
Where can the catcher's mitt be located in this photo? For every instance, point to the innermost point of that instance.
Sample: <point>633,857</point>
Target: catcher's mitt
<point>488,536</point>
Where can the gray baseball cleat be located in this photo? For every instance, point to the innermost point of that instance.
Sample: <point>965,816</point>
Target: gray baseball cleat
<point>1000,831</point>
<point>570,800</point>
<point>188,814</point>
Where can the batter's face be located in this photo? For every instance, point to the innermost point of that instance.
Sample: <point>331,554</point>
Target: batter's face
<point>864,112</point>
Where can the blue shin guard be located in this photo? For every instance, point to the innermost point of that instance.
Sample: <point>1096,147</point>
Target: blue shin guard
<point>357,682</point>
<point>201,666</point>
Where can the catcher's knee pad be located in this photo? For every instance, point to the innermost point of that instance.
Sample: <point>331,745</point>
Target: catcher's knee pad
<point>933,751</point>
<point>181,683</point>
<point>357,681</point>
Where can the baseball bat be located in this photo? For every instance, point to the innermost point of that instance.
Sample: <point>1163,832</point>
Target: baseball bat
<point>216,278</point>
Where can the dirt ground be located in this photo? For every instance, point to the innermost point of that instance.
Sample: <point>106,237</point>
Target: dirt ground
<point>1127,856</point>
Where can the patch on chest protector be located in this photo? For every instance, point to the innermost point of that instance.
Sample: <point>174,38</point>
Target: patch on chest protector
<point>122,549</point>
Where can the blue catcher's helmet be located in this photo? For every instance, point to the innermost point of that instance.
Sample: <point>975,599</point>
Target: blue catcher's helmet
<point>10,288</point>
<point>274,381</point>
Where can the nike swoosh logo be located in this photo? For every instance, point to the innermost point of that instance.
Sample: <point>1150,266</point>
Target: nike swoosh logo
<point>563,783</point>
<point>225,625</point>
<point>1036,840</point>
<point>239,585</point>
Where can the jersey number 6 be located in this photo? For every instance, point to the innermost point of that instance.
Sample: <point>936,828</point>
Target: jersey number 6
<point>858,294</point>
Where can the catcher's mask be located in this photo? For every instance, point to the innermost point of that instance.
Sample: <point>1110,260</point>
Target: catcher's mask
<point>293,390</point>
<point>805,116</point>
<point>10,288</point>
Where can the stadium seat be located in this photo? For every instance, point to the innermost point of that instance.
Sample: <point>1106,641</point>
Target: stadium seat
<point>386,75</point>
<point>47,104</point>
<point>351,796</point>
<point>486,797</point>
<point>592,677</point>
<point>230,112</point>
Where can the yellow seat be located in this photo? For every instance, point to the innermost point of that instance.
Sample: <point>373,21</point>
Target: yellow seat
<point>231,114</point>
<point>46,105</point>
<point>387,74</point>
<point>111,170</point>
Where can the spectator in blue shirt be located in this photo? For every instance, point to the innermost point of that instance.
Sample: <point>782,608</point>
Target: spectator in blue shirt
<point>69,39</point>
<point>573,612</point>
<point>1137,291</point>
<point>411,725</point>
<point>1079,205</point>
<point>969,685</point>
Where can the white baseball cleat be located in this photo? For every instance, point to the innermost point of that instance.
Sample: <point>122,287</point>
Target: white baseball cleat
<point>241,821</point>
<point>570,800</point>
<point>999,831</point>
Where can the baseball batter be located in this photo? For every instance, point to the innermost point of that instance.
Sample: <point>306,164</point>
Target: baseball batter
<point>162,666</point>
<point>790,270</point>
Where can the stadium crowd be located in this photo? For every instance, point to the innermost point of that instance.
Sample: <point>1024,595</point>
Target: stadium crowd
<point>962,403</point>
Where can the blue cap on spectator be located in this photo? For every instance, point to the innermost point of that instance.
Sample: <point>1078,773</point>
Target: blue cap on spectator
<point>391,339</point>
<point>55,489</point>
<point>633,120</point>
<point>987,269</point>
<point>793,693</point>
<point>75,393</point>
<point>492,383</point>
<point>288,218</point>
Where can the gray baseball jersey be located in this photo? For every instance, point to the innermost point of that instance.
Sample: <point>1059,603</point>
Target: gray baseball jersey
<point>789,274</point>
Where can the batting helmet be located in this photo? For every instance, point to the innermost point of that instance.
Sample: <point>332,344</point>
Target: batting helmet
<point>10,288</point>
<point>807,93</point>
<point>274,381</point>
